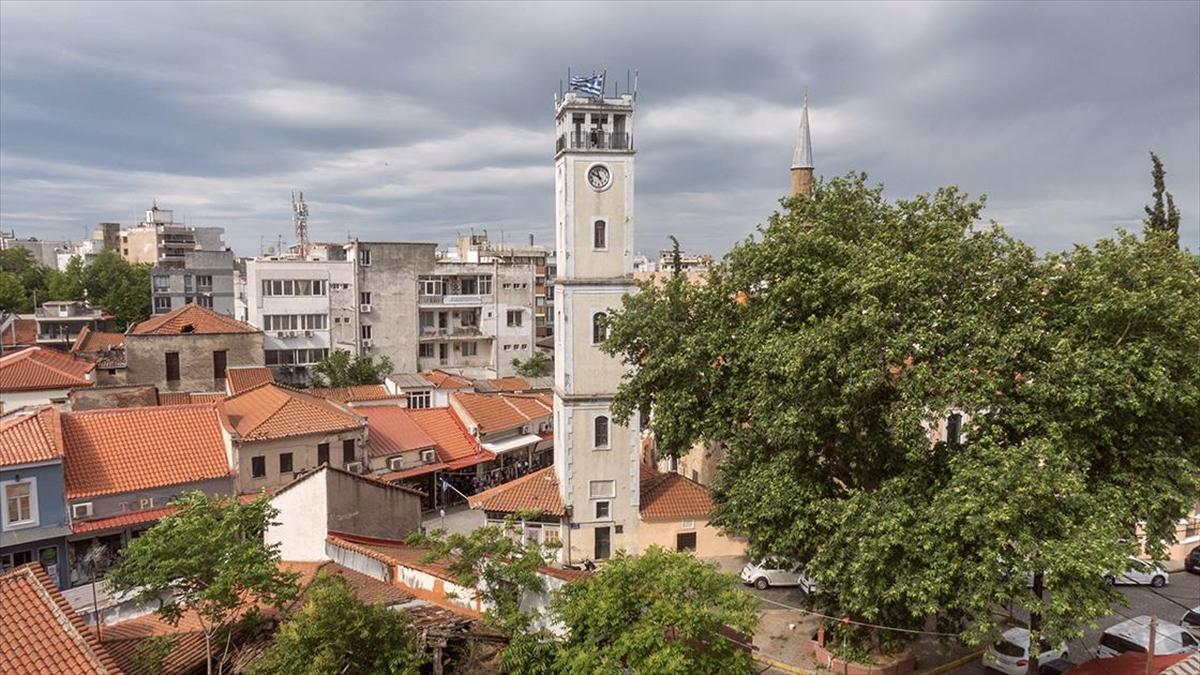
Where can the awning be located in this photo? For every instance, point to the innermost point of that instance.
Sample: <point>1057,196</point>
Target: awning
<point>121,521</point>
<point>509,444</point>
<point>413,472</point>
<point>470,461</point>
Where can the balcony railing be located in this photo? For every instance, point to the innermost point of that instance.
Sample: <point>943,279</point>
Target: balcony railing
<point>451,299</point>
<point>458,331</point>
<point>593,140</point>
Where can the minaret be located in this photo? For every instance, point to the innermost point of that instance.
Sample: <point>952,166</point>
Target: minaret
<point>596,460</point>
<point>802,164</point>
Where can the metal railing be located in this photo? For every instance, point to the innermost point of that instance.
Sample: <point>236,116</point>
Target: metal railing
<point>593,140</point>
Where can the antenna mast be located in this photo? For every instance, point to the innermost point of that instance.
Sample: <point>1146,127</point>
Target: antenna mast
<point>300,218</point>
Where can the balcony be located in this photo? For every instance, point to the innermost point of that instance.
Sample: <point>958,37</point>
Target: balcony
<point>593,140</point>
<point>458,332</point>
<point>454,300</point>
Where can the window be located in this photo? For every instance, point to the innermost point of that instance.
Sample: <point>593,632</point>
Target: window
<point>514,318</point>
<point>600,432</point>
<point>204,282</point>
<point>10,560</point>
<point>365,331</point>
<point>469,319</point>
<point>420,399</point>
<point>364,298</point>
<point>485,285</point>
<point>348,450</point>
<point>204,301</point>
<point>599,328</point>
<point>162,304</point>
<point>954,429</point>
<point>604,489</point>
<point>161,283</point>
<point>172,359</point>
<point>285,462</point>
<point>470,348</point>
<point>685,541</point>
<point>602,510</point>
<point>258,466</point>
<point>20,504</point>
<point>364,257</point>
<point>220,358</point>
<point>294,287</point>
<point>469,286</point>
<point>431,286</point>
<point>322,454</point>
<point>426,350</point>
<point>603,548</point>
<point>600,235</point>
<point>188,283</point>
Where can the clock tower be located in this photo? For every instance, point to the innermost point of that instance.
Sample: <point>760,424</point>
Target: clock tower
<point>596,460</point>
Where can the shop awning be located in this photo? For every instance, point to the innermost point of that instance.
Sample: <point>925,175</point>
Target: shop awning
<point>510,444</point>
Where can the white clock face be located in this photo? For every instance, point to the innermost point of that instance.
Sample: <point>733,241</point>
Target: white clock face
<point>599,177</point>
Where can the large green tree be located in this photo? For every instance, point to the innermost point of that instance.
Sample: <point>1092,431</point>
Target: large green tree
<point>537,365</point>
<point>825,351</point>
<point>209,560</point>
<point>1162,215</point>
<point>12,293</point>
<point>334,632</point>
<point>343,369</point>
<point>121,287</point>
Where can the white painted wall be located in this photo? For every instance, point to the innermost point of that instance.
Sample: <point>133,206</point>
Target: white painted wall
<point>303,520</point>
<point>12,400</point>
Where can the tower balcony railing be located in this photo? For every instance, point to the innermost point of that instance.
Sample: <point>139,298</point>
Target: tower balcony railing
<point>594,140</point>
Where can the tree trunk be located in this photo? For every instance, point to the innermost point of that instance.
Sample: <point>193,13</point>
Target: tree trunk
<point>1035,626</point>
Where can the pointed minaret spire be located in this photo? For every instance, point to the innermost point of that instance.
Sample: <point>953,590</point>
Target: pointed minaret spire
<point>802,164</point>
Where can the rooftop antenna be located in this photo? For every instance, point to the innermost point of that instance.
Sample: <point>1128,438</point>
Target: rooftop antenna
<point>300,218</point>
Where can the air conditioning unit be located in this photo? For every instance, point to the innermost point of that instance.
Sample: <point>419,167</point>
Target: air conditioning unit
<point>308,333</point>
<point>354,467</point>
<point>525,429</point>
<point>281,334</point>
<point>366,344</point>
<point>395,463</point>
<point>365,309</point>
<point>472,429</point>
<point>428,456</point>
<point>83,510</point>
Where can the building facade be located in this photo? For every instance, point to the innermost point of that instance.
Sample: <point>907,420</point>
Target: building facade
<point>189,349</point>
<point>33,503</point>
<point>161,242</point>
<point>204,278</point>
<point>596,460</point>
<point>386,284</point>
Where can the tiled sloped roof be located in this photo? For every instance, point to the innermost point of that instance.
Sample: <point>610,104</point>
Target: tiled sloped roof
<point>184,398</point>
<point>40,632</point>
<point>443,380</point>
<point>670,496</point>
<point>241,379</point>
<point>19,333</point>
<point>270,411</point>
<point>500,412</point>
<point>367,589</point>
<point>191,319</point>
<point>121,520</point>
<point>392,430</point>
<point>126,449</point>
<point>454,444</point>
<point>89,340</point>
<point>537,491</point>
<point>365,392</point>
<point>410,381</point>
<point>35,437</point>
<point>39,368</point>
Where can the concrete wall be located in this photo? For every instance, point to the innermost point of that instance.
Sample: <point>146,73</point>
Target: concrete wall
<point>391,279</point>
<point>104,506</point>
<point>133,396</point>
<point>12,400</point>
<point>51,503</point>
<point>304,457</point>
<point>216,264</point>
<point>709,540</point>
<point>359,506</point>
<point>146,358</point>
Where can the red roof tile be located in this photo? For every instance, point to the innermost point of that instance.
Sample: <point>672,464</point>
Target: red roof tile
<point>29,438</point>
<point>392,430</point>
<point>670,496</point>
<point>509,384</point>
<point>270,411</point>
<point>191,319</point>
<point>537,491</point>
<point>121,521</point>
<point>19,333</point>
<point>127,449</point>
<point>184,398</point>
<point>366,392</point>
<point>367,589</point>
<point>500,412</point>
<point>443,380</point>
<point>89,340</point>
<point>40,633</point>
<point>241,379</point>
<point>414,471</point>
<point>454,445</point>
<point>38,368</point>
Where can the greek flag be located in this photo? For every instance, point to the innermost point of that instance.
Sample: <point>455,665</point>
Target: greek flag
<point>591,85</point>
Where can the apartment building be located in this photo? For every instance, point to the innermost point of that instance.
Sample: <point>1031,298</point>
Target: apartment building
<point>160,241</point>
<point>386,278</point>
<point>476,248</point>
<point>204,278</point>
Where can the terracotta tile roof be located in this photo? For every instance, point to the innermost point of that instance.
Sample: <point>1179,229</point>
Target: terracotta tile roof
<point>121,521</point>
<point>40,633</point>
<point>443,380</point>
<point>19,333</point>
<point>670,496</point>
<point>508,384</point>
<point>500,412</point>
<point>366,392</point>
<point>537,491</point>
<point>391,430</point>
<point>270,411</point>
<point>191,319</point>
<point>454,445</point>
<point>367,589</point>
<point>238,380</point>
<point>89,340</point>
<point>184,398</point>
<point>412,472</point>
<point>29,438</point>
<point>37,368</point>
<point>126,449</point>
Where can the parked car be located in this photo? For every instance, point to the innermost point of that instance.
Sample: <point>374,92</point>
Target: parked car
<point>1192,562</point>
<point>1055,667</point>
<point>764,574</point>
<point>1011,653</point>
<point>1140,573</point>
<point>1191,620</point>
<point>1133,635</point>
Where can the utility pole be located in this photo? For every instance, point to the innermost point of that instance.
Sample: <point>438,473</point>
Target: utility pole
<point>1150,645</point>
<point>1035,626</point>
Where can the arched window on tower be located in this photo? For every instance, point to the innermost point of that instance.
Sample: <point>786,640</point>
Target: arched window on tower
<point>599,329</point>
<point>600,432</point>
<point>600,234</point>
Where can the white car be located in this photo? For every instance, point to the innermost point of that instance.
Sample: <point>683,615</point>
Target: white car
<point>1011,654</point>
<point>1133,635</point>
<point>1191,620</point>
<point>1141,573</point>
<point>762,575</point>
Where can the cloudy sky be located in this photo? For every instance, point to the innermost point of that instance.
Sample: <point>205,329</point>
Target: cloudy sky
<point>413,121</point>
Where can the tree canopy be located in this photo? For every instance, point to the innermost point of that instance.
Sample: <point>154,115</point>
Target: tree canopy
<point>537,365</point>
<point>120,287</point>
<point>1162,215</point>
<point>343,369</point>
<point>334,632</point>
<point>828,351</point>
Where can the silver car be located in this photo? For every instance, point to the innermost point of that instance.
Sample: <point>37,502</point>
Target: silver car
<point>1140,573</point>
<point>764,574</point>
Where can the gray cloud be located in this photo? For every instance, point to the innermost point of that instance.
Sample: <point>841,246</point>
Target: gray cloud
<point>414,121</point>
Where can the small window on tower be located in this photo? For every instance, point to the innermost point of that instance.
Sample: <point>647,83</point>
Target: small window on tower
<point>600,235</point>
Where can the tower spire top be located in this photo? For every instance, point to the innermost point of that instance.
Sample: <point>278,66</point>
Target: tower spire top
<point>802,155</point>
